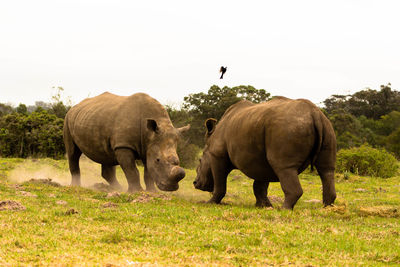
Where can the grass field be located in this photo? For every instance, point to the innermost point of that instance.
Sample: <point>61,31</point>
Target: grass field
<point>42,223</point>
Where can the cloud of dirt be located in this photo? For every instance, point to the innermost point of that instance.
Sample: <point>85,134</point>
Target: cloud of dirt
<point>48,169</point>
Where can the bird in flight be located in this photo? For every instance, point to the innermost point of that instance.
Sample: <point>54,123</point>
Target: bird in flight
<point>222,70</point>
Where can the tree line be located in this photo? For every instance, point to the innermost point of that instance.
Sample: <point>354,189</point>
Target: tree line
<point>365,117</point>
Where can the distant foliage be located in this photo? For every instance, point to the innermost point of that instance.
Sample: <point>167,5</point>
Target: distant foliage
<point>370,103</point>
<point>38,134</point>
<point>201,106</point>
<point>365,160</point>
<point>188,154</point>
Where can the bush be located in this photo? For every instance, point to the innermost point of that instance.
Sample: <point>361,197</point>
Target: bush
<point>188,154</point>
<point>365,160</point>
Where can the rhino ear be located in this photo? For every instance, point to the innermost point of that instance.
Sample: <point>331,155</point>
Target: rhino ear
<point>152,125</point>
<point>184,129</point>
<point>210,125</point>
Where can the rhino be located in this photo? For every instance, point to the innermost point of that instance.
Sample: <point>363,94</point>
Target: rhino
<point>272,141</point>
<point>118,130</point>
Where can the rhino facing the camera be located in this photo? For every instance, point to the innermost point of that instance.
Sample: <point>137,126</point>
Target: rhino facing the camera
<point>269,142</point>
<point>117,130</point>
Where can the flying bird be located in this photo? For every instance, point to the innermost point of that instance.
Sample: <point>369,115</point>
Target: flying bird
<point>222,70</point>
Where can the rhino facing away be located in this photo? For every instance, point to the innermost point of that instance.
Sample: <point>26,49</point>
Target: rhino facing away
<point>269,142</point>
<point>117,130</point>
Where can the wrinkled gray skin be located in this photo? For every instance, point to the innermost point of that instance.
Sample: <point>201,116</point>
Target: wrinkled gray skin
<point>117,130</point>
<point>269,142</point>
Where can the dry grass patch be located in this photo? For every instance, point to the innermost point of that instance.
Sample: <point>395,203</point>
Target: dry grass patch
<point>381,211</point>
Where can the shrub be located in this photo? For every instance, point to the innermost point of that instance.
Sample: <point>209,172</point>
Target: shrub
<point>365,160</point>
<point>188,154</point>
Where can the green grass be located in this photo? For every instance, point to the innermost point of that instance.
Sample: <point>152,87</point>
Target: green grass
<point>362,229</point>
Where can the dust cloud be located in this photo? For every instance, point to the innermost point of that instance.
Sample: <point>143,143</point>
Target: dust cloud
<point>58,172</point>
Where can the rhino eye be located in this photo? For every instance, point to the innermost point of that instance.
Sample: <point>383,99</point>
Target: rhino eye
<point>158,160</point>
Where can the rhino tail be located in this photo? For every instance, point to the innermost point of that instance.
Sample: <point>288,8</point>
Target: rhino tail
<point>318,127</point>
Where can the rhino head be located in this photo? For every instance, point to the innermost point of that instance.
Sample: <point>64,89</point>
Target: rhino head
<point>162,161</point>
<point>204,179</point>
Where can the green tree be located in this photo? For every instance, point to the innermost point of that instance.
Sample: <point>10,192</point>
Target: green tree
<point>370,103</point>
<point>393,142</point>
<point>5,109</point>
<point>22,109</point>
<point>57,107</point>
<point>213,104</point>
<point>38,134</point>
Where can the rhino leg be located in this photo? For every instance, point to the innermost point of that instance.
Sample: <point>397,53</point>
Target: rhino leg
<point>328,187</point>
<point>260,189</point>
<point>108,173</point>
<point>73,161</point>
<point>325,165</point>
<point>149,181</point>
<point>220,172</point>
<point>126,159</point>
<point>290,185</point>
<point>73,155</point>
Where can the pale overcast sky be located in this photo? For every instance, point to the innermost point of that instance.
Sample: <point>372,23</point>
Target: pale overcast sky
<point>169,49</point>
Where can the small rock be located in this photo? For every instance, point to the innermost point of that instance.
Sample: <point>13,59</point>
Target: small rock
<point>61,202</point>
<point>52,195</point>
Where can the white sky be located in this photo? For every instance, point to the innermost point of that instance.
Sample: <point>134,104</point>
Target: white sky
<point>169,49</point>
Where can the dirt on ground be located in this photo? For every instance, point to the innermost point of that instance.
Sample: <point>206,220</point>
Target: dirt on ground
<point>381,211</point>
<point>102,187</point>
<point>275,199</point>
<point>144,197</point>
<point>47,181</point>
<point>11,205</point>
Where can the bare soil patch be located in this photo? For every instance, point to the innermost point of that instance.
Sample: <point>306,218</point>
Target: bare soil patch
<point>27,194</point>
<point>47,181</point>
<point>275,199</point>
<point>102,187</point>
<point>144,197</point>
<point>11,205</point>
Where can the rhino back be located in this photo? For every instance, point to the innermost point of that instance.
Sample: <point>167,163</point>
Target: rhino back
<point>249,133</point>
<point>103,123</point>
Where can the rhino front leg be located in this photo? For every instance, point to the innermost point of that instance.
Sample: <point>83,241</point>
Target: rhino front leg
<point>108,173</point>
<point>126,159</point>
<point>220,173</point>
<point>260,189</point>
<point>149,181</point>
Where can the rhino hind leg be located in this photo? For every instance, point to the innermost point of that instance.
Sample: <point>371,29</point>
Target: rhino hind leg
<point>260,189</point>
<point>74,154</point>
<point>109,173</point>
<point>291,186</point>
<point>325,165</point>
<point>149,181</point>
<point>126,159</point>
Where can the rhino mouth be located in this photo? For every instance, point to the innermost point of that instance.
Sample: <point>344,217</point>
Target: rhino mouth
<point>167,187</point>
<point>207,188</point>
